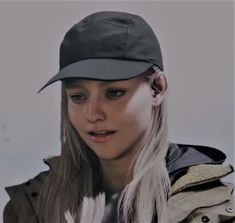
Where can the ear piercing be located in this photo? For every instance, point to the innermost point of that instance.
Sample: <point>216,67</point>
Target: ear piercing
<point>156,87</point>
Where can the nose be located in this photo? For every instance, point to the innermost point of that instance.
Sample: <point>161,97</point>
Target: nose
<point>95,111</point>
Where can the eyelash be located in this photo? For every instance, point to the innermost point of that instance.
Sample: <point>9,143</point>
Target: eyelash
<point>76,98</point>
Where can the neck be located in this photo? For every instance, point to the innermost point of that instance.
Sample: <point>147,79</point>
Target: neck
<point>116,174</point>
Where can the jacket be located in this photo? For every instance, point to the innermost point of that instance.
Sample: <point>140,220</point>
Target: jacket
<point>198,194</point>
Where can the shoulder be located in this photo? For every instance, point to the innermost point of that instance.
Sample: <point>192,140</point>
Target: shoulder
<point>203,204</point>
<point>199,195</point>
<point>23,198</point>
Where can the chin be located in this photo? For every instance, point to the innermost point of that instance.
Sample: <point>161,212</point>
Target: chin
<point>108,157</point>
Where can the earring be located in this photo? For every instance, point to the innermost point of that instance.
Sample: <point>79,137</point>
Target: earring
<point>156,87</point>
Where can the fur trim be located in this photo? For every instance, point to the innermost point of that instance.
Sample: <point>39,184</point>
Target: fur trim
<point>200,174</point>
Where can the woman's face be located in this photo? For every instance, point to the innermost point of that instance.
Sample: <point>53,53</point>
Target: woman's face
<point>112,117</point>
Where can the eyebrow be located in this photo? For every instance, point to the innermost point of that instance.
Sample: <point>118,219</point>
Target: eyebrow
<point>74,84</point>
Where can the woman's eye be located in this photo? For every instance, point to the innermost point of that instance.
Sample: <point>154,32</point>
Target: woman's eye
<point>113,94</point>
<point>78,98</point>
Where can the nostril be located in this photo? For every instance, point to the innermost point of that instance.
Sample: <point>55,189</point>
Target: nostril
<point>94,112</point>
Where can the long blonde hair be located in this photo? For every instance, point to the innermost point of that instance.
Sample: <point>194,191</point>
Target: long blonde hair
<point>77,175</point>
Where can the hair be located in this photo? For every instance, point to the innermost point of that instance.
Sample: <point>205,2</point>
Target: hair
<point>77,175</point>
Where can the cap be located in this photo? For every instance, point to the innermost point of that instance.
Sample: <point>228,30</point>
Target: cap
<point>108,45</point>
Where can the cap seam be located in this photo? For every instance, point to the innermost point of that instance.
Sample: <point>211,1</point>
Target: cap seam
<point>125,43</point>
<point>88,23</point>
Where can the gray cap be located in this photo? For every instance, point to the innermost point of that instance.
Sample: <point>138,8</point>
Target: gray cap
<point>108,46</point>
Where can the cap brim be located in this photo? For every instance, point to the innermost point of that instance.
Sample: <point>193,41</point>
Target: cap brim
<point>101,69</point>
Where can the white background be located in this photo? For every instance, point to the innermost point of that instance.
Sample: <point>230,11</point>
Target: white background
<point>197,43</point>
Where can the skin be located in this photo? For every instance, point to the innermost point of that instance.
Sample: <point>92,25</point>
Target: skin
<point>122,106</point>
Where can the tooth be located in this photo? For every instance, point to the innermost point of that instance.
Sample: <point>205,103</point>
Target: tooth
<point>101,133</point>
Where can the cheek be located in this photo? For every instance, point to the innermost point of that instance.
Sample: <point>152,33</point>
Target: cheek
<point>74,117</point>
<point>141,118</point>
<point>139,110</point>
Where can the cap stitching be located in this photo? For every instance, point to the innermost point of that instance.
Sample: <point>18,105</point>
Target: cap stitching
<point>125,43</point>
<point>100,20</point>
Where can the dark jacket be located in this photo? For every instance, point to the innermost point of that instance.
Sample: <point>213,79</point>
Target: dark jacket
<point>198,195</point>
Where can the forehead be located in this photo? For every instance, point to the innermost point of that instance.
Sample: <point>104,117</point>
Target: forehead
<point>77,82</point>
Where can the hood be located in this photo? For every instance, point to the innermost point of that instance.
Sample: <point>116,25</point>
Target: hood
<point>182,156</point>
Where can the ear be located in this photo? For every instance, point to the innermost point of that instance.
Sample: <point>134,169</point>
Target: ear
<point>159,88</point>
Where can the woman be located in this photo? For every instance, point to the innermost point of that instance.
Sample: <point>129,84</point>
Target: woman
<point>116,163</point>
